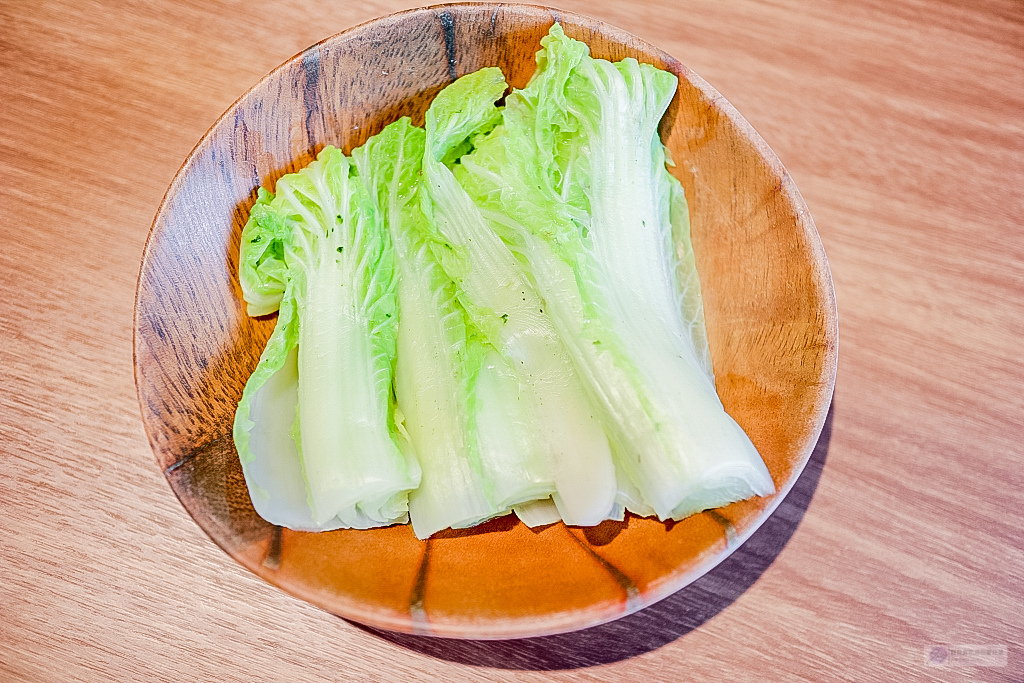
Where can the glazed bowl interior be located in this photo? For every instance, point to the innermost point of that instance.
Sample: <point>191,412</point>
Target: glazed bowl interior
<point>767,295</point>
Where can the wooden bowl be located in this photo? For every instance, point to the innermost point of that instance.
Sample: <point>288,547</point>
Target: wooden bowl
<point>768,299</point>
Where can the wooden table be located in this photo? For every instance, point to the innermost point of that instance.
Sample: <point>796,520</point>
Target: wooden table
<point>901,122</point>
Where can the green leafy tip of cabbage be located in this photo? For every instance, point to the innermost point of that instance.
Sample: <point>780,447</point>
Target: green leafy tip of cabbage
<point>574,175</point>
<point>315,429</point>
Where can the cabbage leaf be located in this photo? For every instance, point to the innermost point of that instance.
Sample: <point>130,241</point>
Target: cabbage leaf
<point>316,416</point>
<point>497,293</point>
<point>575,178</point>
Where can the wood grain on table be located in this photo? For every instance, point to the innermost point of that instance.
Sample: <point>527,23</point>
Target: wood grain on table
<point>903,126</point>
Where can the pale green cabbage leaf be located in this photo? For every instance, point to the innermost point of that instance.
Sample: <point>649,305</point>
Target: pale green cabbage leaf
<point>461,403</point>
<point>498,294</point>
<point>574,177</point>
<point>315,429</point>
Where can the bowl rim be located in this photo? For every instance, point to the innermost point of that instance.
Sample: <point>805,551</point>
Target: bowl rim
<point>595,615</point>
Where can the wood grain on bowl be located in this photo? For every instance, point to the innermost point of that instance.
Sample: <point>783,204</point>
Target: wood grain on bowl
<point>767,291</point>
